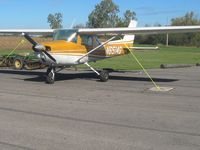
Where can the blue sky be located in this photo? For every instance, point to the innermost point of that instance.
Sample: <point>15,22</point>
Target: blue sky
<point>33,13</point>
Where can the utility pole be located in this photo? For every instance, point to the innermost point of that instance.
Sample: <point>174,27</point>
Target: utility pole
<point>167,36</point>
<point>167,40</point>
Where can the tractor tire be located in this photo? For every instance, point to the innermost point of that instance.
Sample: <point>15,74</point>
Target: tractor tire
<point>18,64</point>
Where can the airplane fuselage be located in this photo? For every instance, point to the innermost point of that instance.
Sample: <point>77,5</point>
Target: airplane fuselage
<point>68,52</point>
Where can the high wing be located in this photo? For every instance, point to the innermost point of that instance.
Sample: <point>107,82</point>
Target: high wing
<point>29,31</point>
<point>113,31</point>
<point>140,30</point>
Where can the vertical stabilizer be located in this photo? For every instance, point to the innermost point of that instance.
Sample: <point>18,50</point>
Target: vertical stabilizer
<point>128,38</point>
<point>132,24</point>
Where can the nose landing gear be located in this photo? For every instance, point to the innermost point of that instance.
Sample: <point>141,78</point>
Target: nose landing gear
<point>50,75</point>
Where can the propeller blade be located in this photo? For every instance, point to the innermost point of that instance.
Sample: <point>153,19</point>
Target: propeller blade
<point>51,57</point>
<point>29,39</point>
<point>38,47</point>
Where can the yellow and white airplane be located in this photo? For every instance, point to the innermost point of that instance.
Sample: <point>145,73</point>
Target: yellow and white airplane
<point>72,47</point>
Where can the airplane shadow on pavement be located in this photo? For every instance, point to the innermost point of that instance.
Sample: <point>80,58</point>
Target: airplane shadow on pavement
<point>38,76</point>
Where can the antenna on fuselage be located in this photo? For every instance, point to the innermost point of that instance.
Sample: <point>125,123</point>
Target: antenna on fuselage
<point>72,24</point>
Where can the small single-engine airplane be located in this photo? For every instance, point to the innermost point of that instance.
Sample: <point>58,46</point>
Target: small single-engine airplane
<point>72,47</point>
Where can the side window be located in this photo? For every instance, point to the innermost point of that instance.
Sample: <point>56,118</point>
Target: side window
<point>96,42</point>
<point>75,39</point>
<point>87,40</point>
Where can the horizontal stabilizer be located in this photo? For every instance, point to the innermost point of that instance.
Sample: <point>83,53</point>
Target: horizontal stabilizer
<point>145,48</point>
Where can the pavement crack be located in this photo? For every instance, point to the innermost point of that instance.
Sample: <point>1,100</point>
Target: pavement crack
<point>16,146</point>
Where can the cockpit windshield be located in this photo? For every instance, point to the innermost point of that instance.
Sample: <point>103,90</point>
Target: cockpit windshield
<point>69,35</point>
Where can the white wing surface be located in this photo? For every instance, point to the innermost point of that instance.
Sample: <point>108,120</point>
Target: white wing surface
<point>115,31</point>
<point>29,31</point>
<point>141,30</point>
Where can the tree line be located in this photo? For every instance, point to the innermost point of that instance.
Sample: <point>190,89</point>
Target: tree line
<point>186,39</point>
<point>106,14</point>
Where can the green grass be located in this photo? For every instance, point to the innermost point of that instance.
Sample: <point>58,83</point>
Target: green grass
<point>149,59</point>
<point>6,52</point>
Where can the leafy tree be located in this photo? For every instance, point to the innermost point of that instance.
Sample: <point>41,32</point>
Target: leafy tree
<point>125,20</point>
<point>151,39</point>
<point>104,15</point>
<point>55,20</point>
<point>128,15</point>
<point>175,39</point>
<point>190,18</point>
<point>77,26</point>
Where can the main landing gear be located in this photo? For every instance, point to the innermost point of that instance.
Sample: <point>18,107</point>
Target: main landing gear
<point>50,75</point>
<point>103,75</point>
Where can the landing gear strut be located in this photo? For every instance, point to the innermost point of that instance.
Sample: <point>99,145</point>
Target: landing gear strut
<point>50,75</point>
<point>103,75</point>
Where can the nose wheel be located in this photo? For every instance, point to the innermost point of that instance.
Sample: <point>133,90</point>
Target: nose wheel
<point>50,75</point>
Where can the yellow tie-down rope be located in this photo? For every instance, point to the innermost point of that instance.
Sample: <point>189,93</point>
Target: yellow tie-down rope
<point>20,43</point>
<point>145,71</point>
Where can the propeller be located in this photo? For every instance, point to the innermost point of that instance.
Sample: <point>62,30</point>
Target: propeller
<point>38,47</point>
<point>50,56</point>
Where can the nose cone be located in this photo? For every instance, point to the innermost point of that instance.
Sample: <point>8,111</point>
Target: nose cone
<point>39,47</point>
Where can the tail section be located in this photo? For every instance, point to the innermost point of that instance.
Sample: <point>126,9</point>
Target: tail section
<point>119,47</point>
<point>132,24</point>
<point>128,39</point>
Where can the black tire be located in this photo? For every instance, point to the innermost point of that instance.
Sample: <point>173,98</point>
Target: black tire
<point>104,76</point>
<point>18,64</point>
<point>48,71</point>
<point>50,76</point>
